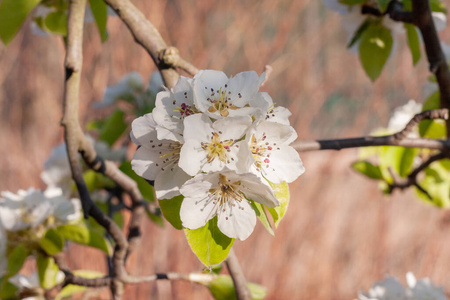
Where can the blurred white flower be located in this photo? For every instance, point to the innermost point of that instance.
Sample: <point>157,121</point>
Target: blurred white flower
<point>424,289</point>
<point>57,171</point>
<point>225,195</point>
<point>388,289</point>
<point>403,114</point>
<point>126,88</point>
<point>29,287</point>
<point>29,209</point>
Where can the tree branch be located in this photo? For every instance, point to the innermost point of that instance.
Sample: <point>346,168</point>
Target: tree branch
<point>240,283</point>
<point>397,139</point>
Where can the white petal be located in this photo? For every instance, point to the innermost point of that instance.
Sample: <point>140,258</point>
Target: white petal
<point>204,81</point>
<point>143,129</point>
<point>238,221</point>
<point>192,158</point>
<point>196,209</point>
<point>232,128</point>
<point>256,190</point>
<point>243,87</point>
<point>283,165</point>
<point>169,182</point>
<point>440,20</point>
<point>198,127</point>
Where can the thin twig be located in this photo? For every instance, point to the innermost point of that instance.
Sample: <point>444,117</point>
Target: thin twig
<point>236,273</point>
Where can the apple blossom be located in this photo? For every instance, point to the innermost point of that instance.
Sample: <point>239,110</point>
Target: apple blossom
<point>387,289</point>
<point>424,289</point>
<point>403,114</point>
<point>226,195</point>
<point>29,287</point>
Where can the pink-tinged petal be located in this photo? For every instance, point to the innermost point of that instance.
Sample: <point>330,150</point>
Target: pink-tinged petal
<point>169,182</point>
<point>192,157</point>
<point>143,129</point>
<point>282,165</point>
<point>237,221</point>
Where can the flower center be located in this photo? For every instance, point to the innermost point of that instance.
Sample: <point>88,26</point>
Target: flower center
<point>169,153</point>
<point>261,151</point>
<point>225,197</point>
<point>217,148</point>
<point>221,102</point>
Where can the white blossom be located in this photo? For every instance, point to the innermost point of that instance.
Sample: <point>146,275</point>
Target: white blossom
<point>157,159</point>
<point>130,85</point>
<point>29,287</point>
<point>273,158</point>
<point>219,96</point>
<point>424,289</point>
<point>57,171</point>
<point>403,114</point>
<point>172,107</point>
<point>268,111</point>
<point>225,195</point>
<point>210,147</point>
<point>29,209</point>
<point>387,289</point>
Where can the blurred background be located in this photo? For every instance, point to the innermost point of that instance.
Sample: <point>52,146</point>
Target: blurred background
<point>340,234</point>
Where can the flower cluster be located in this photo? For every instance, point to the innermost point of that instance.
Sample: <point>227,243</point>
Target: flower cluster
<point>218,142</point>
<point>391,289</point>
<point>26,216</point>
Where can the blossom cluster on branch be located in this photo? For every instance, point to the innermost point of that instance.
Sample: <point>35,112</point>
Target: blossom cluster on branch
<point>219,143</point>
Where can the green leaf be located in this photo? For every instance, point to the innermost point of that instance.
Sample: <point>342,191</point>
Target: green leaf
<point>56,22</point>
<point>262,216</point>
<point>281,192</point>
<point>368,169</point>
<point>144,187</point>
<point>85,236</point>
<point>357,35</point>
<point>438,6</point>
<point>7,289</point>
<point>222,288</point>
<point>383,4</point>
<point>400,159</point>
<point>113,127</point>
<point>99,10</point>
<point>170,209</point>
<point>374,49</point>
<point>406,161</point>
<point>70,289</point>
<point>352,2</point>
<point>16,258</point>
<point>413,42</point>
<point>437,187</point>
<point>47,271</point>
<point>209,244</point>
<point>12,15</point>
<point>52,242</point>
<point>96,181</point>
<point>434,129</point>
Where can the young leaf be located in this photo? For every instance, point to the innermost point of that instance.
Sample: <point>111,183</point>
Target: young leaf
<point>16,258</point>
<point>383,4</point>
<point>144,187</point>
<point>209,244</point>
<point>352,2</point>
<point>434,129</point>
<point>357,35</point>
<point>52,242</point>
<point>170,209</point>
<point>368,169</point>
<point>56,22</point>
<point>12,14</point>
<point>95,181</point>
<point>222,288</point>
<point>374,49</point>
<point>47,271</point>
<point>99,10</point>
<point>262,216</point>
<point>413,42</point>
<point>7,289</point>
<point>437,6</point>
<point>113,127</point>
<point>85,236</point>
<point>281,191</point>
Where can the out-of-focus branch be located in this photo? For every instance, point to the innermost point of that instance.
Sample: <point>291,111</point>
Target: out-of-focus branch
<point>236,273</point>
<point>165,58</point>
<point>438,64</point>
<point>397,139</point>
